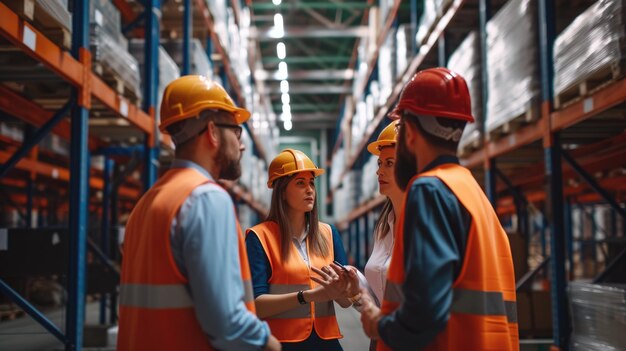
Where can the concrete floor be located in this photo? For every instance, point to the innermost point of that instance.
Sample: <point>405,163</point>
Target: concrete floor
<point>24,334</point>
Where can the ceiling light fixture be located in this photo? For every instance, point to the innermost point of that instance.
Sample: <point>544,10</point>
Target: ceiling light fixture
<point>288,125</point>
<point>281,51</point>
<point>278,31</point>
<point>282,70</point>
<point>285,98</point>
<point>287,109</point>
<point>276,2</point>
<point>284,86</point>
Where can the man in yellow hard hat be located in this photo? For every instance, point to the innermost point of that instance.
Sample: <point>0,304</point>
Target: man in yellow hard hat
<point>185,281</point>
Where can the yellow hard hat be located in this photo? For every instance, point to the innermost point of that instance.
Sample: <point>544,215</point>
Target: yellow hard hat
<point>387,137</point>
<point>290,161</point>
<point>187,96</point>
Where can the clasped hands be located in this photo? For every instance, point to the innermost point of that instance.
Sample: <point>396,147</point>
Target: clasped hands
<point>341,283</point>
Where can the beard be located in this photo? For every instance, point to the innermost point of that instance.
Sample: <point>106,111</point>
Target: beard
<point>230,167</point>
<point>406,165</point>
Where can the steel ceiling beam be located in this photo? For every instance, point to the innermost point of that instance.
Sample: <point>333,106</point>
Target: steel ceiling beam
<point>268,34</point>
<point>298,107</point>
<point>338,74</point>
<point>312,125</point>
<point>299,5</point>
<point>314,117</point>
<point>307,60</point>
<point>312,89</point>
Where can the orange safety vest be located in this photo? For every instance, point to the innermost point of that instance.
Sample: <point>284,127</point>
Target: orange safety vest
<point>156,309</point>
<point>297,324</point>
<point>483,312</point>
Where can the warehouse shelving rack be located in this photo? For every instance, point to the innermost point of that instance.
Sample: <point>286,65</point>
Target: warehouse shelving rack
<point>589,134</point>
<point>89,92</point>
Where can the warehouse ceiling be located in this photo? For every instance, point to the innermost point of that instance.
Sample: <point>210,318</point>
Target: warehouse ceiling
<point>319,40</point>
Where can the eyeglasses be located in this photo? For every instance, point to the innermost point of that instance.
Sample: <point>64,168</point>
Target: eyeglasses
<point>235,127</point>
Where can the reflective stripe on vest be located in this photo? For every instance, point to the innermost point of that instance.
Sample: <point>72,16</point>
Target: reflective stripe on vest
<point>483,303</point>
<point>155,296</point>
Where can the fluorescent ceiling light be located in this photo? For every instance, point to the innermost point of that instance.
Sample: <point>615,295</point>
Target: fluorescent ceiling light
<point>287,109</point>
<point>285,98</point>
<point>281,51</point>
<point>276,2</point>
<point>287,125</point>
<point>284,86</point>
<point>285,117</point>
<point>278,21</point>
<point>282,70</point>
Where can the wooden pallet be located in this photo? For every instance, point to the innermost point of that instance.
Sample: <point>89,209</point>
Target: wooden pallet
<point>530,115</point>
<point>588,85</point>
<point>43,21</point>
<point>116,82</point>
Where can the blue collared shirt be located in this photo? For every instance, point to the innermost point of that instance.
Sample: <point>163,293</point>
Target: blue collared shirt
<point>436,227</point>
<point>205,249</point>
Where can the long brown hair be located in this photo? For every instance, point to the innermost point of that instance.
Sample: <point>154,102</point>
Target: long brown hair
<point>318,245</point>
<point>382,224</point>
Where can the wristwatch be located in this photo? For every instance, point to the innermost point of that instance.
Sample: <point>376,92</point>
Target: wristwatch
<point>301,297</point>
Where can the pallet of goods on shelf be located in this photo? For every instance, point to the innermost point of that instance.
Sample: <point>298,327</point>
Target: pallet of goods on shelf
<point>109,49</point>
<point>338,164</point>
<point>405,44</point>
<point>116,66</point>
<point>590,52</point>
<point>168,70</point>
<point>200,63</point>
<point>104,14</point>
<point>598,316</point>
<point>466,62</point>
<point>433,10</point>
<point>369,185</point>
<point>386,67</point>
<point>51,17</point>
<point>513,68</point>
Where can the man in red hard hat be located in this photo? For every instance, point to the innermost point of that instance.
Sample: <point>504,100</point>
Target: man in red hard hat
<point>450,283</point>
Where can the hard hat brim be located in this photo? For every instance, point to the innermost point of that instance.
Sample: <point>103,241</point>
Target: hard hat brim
<point>241,115</point>
<point>316,173</point>
<point>373,147</point>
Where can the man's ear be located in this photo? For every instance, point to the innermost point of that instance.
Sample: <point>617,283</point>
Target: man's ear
<point>410,133</point>
<point>213,134</point>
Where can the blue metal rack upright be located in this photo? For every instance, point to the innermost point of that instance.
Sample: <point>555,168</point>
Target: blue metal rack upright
<point>152,17</point>
<point>79,185</point>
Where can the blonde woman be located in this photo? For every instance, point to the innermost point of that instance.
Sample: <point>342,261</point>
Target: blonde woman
<point>285,251</point>
<point>378,263</point>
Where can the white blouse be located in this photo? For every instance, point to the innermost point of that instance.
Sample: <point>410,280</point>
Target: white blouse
<point>378,263</point>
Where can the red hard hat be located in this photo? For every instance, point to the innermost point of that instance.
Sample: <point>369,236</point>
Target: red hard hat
<point>436,92</point>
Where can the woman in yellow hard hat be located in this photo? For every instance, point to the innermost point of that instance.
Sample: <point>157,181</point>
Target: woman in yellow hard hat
<point>378,263</point>
<point>376,267</point>
<point>285,251</point>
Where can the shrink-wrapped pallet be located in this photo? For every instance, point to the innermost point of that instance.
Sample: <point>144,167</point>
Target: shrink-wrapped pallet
<point>113,59</point>
<point>168,70</point>
<point>598,316</point>
<point>199,60</point>
<point>513,68</point>
<point>594,43</point>
<point>466,62</point>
